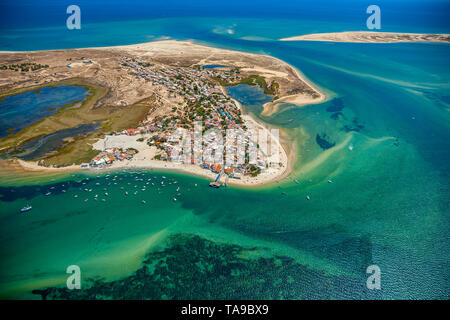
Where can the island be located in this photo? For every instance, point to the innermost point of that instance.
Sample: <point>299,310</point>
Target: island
<point>371,37</point>
<point>138,95</point>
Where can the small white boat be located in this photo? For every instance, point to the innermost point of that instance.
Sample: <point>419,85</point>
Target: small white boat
<point>308,198</point>
<point>26,208</point>
<point>143,201</point>
<point>48,193</point>
<point>329,181</point>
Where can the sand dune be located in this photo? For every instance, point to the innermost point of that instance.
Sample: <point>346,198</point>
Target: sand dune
<point>371,37</point>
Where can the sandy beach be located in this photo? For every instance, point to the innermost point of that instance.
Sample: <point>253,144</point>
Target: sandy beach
<point>371,37</point>
<point>299,99</point>
<point>34,166</point>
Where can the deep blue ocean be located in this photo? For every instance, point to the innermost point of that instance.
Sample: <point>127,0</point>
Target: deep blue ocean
<point>389,200</point>
<point>38,25</point>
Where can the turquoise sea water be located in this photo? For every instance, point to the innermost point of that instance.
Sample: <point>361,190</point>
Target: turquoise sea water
<point>388,203</point>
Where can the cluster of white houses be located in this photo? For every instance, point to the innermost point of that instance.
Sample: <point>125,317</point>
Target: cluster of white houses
<point>203,95</point>
<point>205,103</point>
<point>140,130</point>
<point>109,156</point>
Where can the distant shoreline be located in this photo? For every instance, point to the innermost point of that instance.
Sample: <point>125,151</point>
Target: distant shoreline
<point>371,37</point>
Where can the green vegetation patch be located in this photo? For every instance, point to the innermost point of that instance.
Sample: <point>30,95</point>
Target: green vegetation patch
<point>64,118</point>
<point>24,67</point>
<point>254,80</point>
<point>79,150</point>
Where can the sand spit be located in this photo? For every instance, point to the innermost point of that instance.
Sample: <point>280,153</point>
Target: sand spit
<point>371,37</point>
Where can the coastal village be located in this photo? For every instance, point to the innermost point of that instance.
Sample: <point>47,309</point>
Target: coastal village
<point>203,101</point>
<point>148,100</point>
<point>115,154</point>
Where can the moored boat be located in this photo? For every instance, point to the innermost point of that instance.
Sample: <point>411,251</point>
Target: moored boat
<point>214,184</point>
<point>26,208</point>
